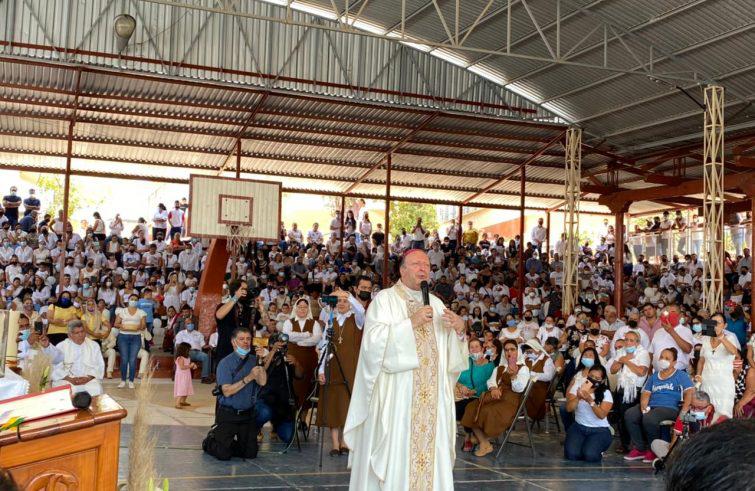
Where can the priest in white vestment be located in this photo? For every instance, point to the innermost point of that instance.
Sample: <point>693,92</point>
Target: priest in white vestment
<point>401,425</point>
<point>82,367</point>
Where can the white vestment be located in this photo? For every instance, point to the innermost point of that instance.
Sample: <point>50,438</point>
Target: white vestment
<point>80,360</point>
<point>388,449</point>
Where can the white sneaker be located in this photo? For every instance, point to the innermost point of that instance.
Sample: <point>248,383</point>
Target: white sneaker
<point>130,385</point>
<point>122,384</point>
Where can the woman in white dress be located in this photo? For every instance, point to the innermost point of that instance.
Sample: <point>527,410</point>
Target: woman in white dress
<point>716,367</point>
<point>172,293</point>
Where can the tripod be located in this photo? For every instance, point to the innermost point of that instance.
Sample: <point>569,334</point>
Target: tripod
<point>325,358</point>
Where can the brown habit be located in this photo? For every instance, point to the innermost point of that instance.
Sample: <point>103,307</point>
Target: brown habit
<point>331,412</point>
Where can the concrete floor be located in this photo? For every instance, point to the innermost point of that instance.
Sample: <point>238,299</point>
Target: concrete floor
<point>180,458</point>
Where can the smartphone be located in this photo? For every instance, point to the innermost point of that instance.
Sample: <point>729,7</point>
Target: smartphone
<point>39,327</point>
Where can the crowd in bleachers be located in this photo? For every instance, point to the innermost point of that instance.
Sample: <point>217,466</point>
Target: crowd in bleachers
<point>622,372</point>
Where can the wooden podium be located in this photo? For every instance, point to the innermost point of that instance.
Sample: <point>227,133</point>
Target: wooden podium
<point>75,451</point>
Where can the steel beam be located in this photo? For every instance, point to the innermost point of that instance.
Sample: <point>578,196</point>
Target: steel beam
<point>713,199</point>
<point>573,171</point>
<point>386,240</point>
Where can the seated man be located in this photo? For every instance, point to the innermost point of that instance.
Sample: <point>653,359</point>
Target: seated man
<point>662,395</point>
<point>701,410</point>
<point>196,340</point>
<point>494,412</point>
<point>82,367</point>
<point>110,353</point>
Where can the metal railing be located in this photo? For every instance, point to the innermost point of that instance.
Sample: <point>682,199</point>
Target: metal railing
<point>653,245</point>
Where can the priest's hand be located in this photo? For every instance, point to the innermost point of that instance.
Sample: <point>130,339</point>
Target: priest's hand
<point>422,316</point>
<point>450,319</point>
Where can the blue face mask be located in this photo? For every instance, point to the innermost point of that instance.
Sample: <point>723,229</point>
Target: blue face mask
<point>588,362</point>
<point>697,327</point>
<point>698,415</point>
<point>25,334</point>
<point>511,323</point>
<point>65,302</point>
<point>630,349</point>
<point>241,351</point>
<point>190,327</point>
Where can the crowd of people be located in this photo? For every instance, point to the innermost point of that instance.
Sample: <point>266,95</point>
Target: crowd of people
<point>660,356</point>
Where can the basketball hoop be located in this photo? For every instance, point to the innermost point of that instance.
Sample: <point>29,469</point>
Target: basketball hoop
<point>236,237</point>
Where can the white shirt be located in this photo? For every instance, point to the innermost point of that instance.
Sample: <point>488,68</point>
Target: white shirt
<point>160,219</point>
<point>194,338</point>
<point>436,257</point>
<point>314,237</point>
<point>662,340</point>
<point>543,333</point>
<point>176,217</point>
<point>584,414</point>
<point>538,234</point>
<point>518,383</point>
<point>302,338</point>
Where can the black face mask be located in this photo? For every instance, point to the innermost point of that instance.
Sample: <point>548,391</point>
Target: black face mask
<point>594,332</point>
<point>528,317</point>
<point>365,296</point>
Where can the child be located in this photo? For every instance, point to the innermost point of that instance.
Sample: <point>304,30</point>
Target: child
<point>182,384</point>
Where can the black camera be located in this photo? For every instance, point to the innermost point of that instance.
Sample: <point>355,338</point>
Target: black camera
<point>709,327</point>
<point>279,337</point>
<point>217,391</point>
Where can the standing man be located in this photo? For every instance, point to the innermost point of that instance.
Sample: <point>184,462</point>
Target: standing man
<point>453,236</point>
<point>31,203</point>
<point>11,203</point>
<point>160,222</point>
<point>176,219</point>
<point>539,234</point>
<point>411,356</point>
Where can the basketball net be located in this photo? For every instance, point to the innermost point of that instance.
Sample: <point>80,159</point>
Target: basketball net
<point>236,238</point>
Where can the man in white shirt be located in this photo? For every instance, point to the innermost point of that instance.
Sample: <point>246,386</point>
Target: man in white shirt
<point>197,342</point>
<point>82,367</point>
<point>295,235</point>
<point>436,255</point>
<point>672,335</point>
<point>160,222</point>
<point>539,234</point>
<point>176,220</point>
<point>557,275</point>
<point>548,330</point>
<point>461,288</point>
<point>314,236</point>
<point>335,225</point>
<point>745,276</point>
<point>611,323</point>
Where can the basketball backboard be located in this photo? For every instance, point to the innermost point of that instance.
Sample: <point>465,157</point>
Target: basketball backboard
<point>218,203</point>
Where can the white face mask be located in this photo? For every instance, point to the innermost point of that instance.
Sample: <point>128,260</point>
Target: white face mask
<point>664,364</point>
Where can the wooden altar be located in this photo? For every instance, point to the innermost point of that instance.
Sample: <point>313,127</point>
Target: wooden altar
<point>75,451</point>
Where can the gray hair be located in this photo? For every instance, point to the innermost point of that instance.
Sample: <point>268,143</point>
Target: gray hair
<point>633,333</point>
<point>702,396</point>
<point>610,308</point>
<point>74,324</point>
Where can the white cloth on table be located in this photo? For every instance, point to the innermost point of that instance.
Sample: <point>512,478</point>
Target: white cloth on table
<point>12,385</point>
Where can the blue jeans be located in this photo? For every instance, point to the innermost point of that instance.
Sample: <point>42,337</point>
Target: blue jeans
<point>128,347</point>
<point>201,356</point>
<point>586,443</point>
<point>264,413</point>
<point>567,418</point>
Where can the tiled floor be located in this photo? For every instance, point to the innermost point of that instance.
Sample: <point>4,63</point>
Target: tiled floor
<point>180,458</point>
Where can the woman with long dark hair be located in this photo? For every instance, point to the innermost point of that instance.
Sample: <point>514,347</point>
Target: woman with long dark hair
<point>590,435</point>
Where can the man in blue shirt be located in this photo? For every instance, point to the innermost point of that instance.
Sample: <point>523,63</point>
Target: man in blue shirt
<point>11,203</point>
<point>239,381</point>
<point>31,203</point>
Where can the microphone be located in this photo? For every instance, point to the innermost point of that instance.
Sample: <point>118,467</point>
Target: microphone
<point>425,292</point>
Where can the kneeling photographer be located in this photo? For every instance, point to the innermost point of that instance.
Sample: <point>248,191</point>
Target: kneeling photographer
<point>239,381</point>
<point>277,400</point>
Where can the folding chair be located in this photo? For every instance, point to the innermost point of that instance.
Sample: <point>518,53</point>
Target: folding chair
<point>551,406</point>
<point>521,413</point>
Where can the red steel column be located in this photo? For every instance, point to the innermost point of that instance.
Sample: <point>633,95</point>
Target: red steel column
<point>211,286</point>
<point>238,158</point>
<point>343,212</point>
<point>752,245</point>
<point>522,242</point>
<point>386,240</point>
<point>548,235</point>
<point>618,261</point>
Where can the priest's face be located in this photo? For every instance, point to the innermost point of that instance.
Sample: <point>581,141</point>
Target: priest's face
<point>415,270</point>
<point>77,335</point>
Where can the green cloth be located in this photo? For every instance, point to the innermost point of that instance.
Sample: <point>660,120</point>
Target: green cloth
<point>476,376</point>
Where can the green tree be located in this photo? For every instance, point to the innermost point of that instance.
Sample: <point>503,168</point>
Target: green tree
<point>54,184</point>
<point>404,215</point>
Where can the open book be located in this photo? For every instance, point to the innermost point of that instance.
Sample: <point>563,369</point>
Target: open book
<point>36,406</point>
